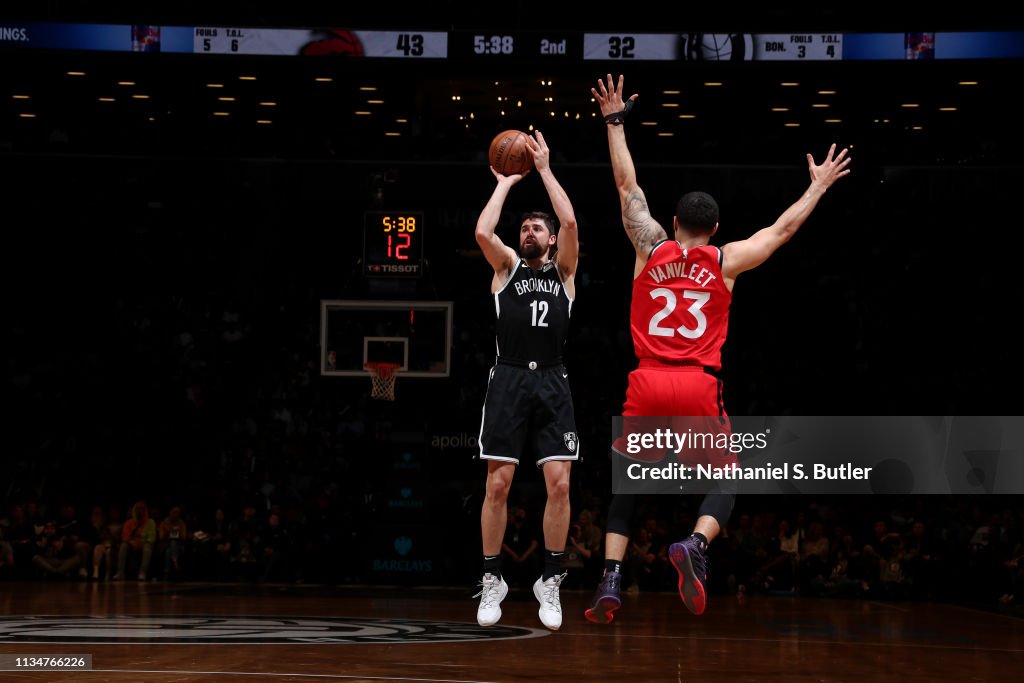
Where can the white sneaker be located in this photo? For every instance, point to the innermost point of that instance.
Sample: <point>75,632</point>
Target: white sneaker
<point>493,590</point>
<point>546,593</point>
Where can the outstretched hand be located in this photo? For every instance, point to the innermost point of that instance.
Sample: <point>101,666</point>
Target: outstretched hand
<point>610,97</point>
<point>539,151</point>
<point>831,169</point>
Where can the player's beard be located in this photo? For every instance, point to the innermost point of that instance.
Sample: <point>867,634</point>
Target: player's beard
<point>532,250</point>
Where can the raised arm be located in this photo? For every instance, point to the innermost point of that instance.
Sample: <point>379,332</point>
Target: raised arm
<point>568,251</point>
<point>501,257</point>
<point>643,231</point>
<point>746,254</point>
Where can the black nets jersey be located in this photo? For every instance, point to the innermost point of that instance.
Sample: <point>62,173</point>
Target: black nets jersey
<point>533,312</point>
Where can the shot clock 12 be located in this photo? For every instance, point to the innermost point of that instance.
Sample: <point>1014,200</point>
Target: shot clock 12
<point>392,243</point>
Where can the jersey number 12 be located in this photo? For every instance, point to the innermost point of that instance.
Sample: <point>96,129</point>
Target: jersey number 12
<point>542,307</point>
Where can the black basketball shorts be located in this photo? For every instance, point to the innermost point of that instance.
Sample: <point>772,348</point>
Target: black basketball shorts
<point>529,409</point>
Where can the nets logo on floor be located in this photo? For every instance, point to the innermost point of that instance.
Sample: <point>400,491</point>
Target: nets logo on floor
<point>259,630</point>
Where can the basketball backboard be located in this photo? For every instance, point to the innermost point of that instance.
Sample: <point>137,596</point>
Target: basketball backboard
<point>415,334</point>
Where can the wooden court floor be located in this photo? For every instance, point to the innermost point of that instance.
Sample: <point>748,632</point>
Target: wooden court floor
<point>208,632</point>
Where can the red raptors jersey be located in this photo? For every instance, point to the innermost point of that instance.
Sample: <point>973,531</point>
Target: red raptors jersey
<point>680,309</point>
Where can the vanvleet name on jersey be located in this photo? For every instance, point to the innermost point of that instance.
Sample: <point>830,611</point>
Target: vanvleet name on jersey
<point>676,269</point>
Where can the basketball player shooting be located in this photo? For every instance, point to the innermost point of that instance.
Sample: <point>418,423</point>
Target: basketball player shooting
<point>679,316</point>
<point>528,406</point>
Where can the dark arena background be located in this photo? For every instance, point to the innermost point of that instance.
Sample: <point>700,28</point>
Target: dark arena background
<point>195,271</point>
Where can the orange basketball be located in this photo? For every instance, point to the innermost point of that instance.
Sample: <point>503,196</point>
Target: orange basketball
<point>508,153</point>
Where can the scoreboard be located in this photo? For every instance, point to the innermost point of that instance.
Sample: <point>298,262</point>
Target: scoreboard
<point>500,45</point>
<point>519,45</point>
<point>496,46</point>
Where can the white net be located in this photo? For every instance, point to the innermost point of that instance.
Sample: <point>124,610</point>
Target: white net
<point>382,378</point>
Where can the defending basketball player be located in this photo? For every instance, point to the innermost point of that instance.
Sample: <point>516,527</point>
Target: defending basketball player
<point>679,316</point>
<point>528,408</point>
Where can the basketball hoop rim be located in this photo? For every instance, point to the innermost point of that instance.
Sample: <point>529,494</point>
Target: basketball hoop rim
<point>382,369</point>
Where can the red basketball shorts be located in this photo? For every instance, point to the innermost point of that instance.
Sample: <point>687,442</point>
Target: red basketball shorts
<point>689,402</point>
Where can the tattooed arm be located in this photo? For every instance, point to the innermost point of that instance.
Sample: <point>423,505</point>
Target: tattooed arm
<point>641,228</point>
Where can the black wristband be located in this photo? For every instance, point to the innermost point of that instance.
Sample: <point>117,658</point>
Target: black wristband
<point>617,118</point>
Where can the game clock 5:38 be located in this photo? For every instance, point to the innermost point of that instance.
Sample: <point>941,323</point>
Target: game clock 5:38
<point>392,243</point>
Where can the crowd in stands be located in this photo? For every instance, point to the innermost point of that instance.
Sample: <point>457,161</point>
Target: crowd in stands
<point>923,548</point>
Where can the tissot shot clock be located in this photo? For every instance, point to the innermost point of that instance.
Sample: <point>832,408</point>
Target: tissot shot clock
<point>392,243</point>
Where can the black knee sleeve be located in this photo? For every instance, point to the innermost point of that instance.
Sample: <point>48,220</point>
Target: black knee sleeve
<point>620,513</point>
<point>717,504</point>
